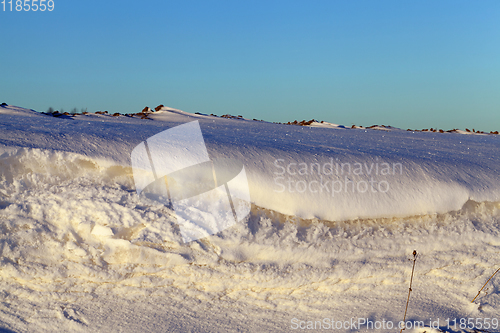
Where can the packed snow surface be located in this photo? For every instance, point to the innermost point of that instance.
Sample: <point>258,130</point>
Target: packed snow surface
<point>336,214</point>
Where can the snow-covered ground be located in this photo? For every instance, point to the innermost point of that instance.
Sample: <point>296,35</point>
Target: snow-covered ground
<point>336,214</point>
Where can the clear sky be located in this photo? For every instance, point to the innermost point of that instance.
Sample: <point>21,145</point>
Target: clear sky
<point>411,64</point>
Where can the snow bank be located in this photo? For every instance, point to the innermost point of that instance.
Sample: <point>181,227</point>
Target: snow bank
<point>330,174</point>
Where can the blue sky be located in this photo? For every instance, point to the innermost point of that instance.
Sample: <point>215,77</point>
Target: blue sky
<point>411,64</point>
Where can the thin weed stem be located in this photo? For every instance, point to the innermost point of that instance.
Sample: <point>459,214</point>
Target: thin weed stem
<point>409,290</point>
<point>485,285</point>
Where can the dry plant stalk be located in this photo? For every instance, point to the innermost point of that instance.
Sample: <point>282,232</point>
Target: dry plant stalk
<point>409,290</point>
<point>485,285</point>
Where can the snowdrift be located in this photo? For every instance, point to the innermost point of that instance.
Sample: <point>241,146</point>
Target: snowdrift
<point>324,173</point>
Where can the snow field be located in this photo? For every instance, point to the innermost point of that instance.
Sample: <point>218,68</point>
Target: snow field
<point>81,251</point>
